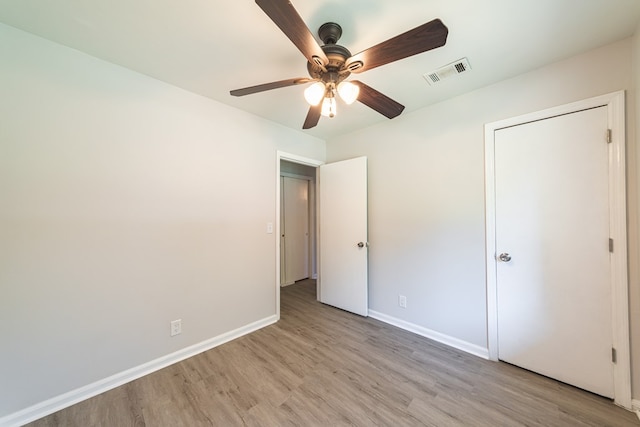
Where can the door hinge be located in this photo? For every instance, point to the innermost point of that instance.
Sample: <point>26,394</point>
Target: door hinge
<point>611,245</point>
<point>609,138</point>
<point>614,355</point>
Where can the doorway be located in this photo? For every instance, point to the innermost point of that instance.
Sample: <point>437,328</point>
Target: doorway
<point>294,166</point>
<point>502,265</point>
<point>341,239</point>
<point>297,222</point>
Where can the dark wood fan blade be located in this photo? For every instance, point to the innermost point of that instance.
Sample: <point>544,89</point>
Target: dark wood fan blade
<point>284,15</point>
<point>428,36</point>
<point>313,116</point>
<point>268,86</point>
<point>377,101</point>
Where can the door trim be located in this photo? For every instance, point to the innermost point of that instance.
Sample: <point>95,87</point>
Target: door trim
<point>294,158</point>
<point>615,103</point>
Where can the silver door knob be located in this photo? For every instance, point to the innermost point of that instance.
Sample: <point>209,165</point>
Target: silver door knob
<point>361,244</point>
<point>504,257</point>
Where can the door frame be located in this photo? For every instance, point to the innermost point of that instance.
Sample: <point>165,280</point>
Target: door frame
<point>293,158</point>
<point>615,103</point>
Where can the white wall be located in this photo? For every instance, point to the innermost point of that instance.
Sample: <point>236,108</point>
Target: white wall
<point>125,203</point>
<point>426,191</point>
<point>633,160</point>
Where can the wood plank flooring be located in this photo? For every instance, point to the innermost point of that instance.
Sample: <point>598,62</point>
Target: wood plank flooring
<point>319,366</point>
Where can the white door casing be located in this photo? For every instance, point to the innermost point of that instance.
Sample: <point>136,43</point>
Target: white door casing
<point>343,251</point>
<point>614,105</point>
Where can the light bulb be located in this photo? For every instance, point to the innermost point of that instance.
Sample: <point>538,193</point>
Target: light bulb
<point>329,107</point>
<point>314,93</point>
<point>348,92</point>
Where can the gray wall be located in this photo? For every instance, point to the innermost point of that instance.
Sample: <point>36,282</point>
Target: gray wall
<point>125,203</point>
<point>120,210</point>
<point>633,195</point>
<point>426,192</point>
<point>297,169</point>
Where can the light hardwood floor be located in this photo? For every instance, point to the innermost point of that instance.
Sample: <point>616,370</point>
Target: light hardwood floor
<point>319,366</point>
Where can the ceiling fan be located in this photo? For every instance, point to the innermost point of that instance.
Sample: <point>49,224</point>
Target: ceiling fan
<point>329,65</point>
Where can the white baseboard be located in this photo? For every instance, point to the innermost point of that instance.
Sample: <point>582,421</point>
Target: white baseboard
<point>65,400</point>
<point>635,406</point>
<point>436,336</point>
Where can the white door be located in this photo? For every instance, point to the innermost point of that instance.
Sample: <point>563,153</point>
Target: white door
<point>552,225</point>
<point>295,226</point>
<point>343,235</point>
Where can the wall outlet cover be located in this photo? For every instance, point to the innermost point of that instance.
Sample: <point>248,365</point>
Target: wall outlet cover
<point>176,327</point>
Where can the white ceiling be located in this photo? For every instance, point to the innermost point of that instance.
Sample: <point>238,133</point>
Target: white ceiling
<point>212,46</point>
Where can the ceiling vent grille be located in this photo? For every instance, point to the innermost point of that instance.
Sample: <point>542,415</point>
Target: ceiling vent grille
<point>457,67</point>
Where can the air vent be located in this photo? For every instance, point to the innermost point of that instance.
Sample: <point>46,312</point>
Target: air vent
<point>458,67</point>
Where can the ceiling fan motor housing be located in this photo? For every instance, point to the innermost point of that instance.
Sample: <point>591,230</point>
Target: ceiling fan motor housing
<point>334,70</point>
<point>330,33</point>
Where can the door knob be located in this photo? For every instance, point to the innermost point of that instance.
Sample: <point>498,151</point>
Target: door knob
<point>504,257</point>
<point>361,244</point>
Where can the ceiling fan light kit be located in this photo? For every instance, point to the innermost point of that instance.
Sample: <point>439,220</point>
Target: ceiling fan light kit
<point>348,92</point>
<point>329,107</point>
<point>320,91</point>
<point>315,93</point>
<point>330,64</point>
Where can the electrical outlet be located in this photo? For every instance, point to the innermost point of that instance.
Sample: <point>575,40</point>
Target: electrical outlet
<point>402,301</point>
<point>176,327</point>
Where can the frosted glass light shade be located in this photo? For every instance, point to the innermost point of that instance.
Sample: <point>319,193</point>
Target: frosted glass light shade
<point>314,93</point>
<point>348,92</point>
<point>328,107</point>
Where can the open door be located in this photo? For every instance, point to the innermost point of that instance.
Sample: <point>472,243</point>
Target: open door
<point>343,236</point>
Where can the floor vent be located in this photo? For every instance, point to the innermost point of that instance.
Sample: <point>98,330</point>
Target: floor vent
<point>457,67</point>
